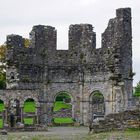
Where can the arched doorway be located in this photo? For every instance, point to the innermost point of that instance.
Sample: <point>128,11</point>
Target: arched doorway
<point>63,110</point>
<point>14,112</point>
<point>1,113</point>
<point>29,111</point>
<point>97,104</point>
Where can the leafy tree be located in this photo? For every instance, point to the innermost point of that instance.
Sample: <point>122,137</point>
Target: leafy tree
<point>2,80</point>
<point>27,42</point>
<point>3,49</point>
<point>137,89</point>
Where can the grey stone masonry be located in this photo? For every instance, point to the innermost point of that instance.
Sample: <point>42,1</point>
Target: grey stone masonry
<point>81,70</point>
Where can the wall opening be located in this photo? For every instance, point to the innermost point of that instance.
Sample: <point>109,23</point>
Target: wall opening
<point>62,38</point>
<point>29,111</point>
<point>62,110</point>
<point>97,105</point>
<point>1,113</point>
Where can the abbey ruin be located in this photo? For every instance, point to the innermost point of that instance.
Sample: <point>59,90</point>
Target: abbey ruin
<point>41,71</point>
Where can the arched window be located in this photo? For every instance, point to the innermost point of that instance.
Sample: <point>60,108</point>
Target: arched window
<point>30,109</point>
<point>62,108</point>
<point>29,106</point>
<point>1,110</point>
<point>97,103</point>
<point>1,105</point>
<point>12,75</point>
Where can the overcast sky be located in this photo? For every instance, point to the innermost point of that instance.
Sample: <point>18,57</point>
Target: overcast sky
<point>18,17</point>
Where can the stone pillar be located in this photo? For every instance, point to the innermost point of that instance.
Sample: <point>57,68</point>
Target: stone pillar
<point>6,114</point>
<point>22,115</point>
<point>49,112</point>
<point>85,112</point>
<point>81,104</point>
<point>37,115</point>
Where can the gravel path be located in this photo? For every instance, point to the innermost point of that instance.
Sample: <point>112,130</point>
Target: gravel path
<point>71,133</point>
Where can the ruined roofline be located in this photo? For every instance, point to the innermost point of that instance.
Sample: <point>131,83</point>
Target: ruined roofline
<point>79,34</point>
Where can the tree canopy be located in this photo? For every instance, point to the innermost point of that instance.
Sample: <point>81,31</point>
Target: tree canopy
<point>137,89</point>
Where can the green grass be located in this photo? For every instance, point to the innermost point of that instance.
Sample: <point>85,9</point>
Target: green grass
<point>1,123</point>
<point>1,107</point>
<point>63,120</point>
<point>29,107</point>
<point>28,120</point>
<point>60,104</point>
<point>83,135</point>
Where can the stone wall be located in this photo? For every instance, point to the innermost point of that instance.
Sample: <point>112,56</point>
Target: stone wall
<point>63,113</point>
<point>80,70</point>
<point>119,121</point>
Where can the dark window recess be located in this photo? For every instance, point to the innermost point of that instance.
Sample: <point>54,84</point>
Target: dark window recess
<point>12,76</point>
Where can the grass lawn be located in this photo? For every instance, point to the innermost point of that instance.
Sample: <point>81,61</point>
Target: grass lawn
<point>1,107</point>
<point>60,104</point>
<point>28,120</point>
<point>63,120</point>
<point>29,107</point>
<point>68,134</point>
<point>1,123</point>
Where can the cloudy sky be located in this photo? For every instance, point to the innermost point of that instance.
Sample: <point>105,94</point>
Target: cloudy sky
<point>18,17</point>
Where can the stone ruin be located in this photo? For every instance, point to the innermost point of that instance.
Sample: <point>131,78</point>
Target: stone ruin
<point>41,71</point>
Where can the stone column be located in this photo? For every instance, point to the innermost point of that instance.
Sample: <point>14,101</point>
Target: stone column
<point>22,114</point>
<point>6,115</point>
<point>81,103</point>
<point>37,115</point>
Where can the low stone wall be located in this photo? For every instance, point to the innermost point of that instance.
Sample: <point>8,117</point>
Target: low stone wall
<point>63,113</point>
<point>118,121</point>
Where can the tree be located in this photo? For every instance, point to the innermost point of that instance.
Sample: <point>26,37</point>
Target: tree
<point>3,49</point>
<point>2,80</point>
<point>27,42</point>
<point>137,89</point>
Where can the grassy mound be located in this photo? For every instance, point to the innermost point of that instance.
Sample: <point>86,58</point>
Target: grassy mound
<point>61,105</point>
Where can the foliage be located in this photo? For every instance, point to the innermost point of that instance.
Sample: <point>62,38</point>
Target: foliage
<point>28,120</point>
<point>137,90</point>
<point>27,42</point>
<point>29,106</point>
<point>63,120</point>
<point>61,105</point>
<point>1,123</point>
<point>98,95</point>
<point>62,96</point>
<point>3,49</point>
<point>2,79</point>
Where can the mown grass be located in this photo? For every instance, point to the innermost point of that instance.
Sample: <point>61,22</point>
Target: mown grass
<point>63,120</point>
<point>61,105</point>
<point>28,121</point>
<point>29,107</point>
